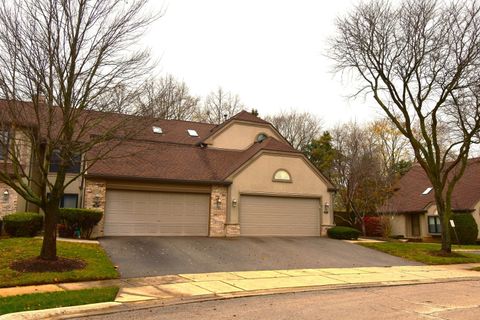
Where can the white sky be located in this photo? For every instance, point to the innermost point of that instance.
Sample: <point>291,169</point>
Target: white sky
<point>271,53</point>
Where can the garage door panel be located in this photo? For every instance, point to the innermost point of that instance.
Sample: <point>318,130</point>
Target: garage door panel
<point>279,216</point>
<point>156,213</point>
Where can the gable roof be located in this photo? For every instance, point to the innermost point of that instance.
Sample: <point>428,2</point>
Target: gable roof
<point>175,162</point>
<point>408,197</point>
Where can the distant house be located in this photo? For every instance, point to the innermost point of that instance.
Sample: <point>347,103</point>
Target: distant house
<point>183,178</point>
<point>413,203</point>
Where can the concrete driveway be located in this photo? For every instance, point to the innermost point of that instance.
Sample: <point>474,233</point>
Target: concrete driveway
<point>151,256</point>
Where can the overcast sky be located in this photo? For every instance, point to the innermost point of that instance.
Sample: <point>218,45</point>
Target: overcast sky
<point>270,52</point>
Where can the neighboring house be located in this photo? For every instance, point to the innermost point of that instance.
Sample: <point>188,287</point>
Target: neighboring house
<point>413,204</point>
<point>184,178</point>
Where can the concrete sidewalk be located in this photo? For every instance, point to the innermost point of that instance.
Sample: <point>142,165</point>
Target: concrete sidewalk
<point>188,287</point>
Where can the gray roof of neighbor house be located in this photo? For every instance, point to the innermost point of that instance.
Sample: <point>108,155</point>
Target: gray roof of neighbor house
<point>409,196</point>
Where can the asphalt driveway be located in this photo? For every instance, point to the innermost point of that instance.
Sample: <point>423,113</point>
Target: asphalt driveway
<point>150,256</point>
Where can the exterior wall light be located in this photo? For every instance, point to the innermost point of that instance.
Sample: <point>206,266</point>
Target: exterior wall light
<point>326,208</point>
<point>218,202</point>
<point>96,201</point>
<point>234,203</point>
<point>6,195</point>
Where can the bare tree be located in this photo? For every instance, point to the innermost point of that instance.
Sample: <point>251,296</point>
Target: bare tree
<point>218,106</point>
<point>168,98</point>
<point>67,60</point>
<point>420,61</point>
<point>299,128</point>
<point>357,172</point>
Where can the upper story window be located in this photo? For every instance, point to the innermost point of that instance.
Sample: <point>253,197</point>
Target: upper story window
<point>260,137</point>
<point>74,166</point>
<point>157,130</point>
<point>3,144</point>
<point>282,175</point>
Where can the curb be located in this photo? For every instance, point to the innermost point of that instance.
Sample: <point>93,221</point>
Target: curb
<point>89,310</point>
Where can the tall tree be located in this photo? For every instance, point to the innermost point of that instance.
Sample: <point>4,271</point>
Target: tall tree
<point>322,154</point>
<point>299,128</point>
<point>218,106</point>
<point>167,98</point>
<point>420,62</point>
<point>69,60</point>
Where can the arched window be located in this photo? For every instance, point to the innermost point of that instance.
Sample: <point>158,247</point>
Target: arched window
<point>282,176</point>
<point>260,137</point>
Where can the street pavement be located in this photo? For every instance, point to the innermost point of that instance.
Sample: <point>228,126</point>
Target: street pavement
<point>447,301</point>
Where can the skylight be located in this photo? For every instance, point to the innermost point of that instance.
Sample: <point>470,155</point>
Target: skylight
<point>157,129</point>
<point>427,191</point>
<point>192,133</point>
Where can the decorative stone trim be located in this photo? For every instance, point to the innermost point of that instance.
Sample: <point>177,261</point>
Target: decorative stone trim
<point>9,205</point>
<point>232,230</point>
<point>218,211</point>
<point>95,193</point>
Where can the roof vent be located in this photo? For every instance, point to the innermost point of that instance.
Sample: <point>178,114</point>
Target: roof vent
<point>157,130</point>
<point>427,191</point>
<point>192,133</point>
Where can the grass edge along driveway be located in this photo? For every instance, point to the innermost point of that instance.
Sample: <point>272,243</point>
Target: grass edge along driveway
<point>425,252</point>
<point>39,301</point>
<point>98,265</point>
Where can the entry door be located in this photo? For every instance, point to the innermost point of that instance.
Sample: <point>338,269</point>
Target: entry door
<point>415,220</point>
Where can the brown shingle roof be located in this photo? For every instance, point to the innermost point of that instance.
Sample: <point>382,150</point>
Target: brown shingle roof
<point>408,196</point>
<point>165,161</point>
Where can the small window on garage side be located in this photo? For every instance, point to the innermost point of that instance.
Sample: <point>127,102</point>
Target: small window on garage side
<point>282,175</point>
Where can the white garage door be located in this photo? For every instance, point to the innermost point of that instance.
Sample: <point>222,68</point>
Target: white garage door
<point>141,213</point>
<point>278,216</point>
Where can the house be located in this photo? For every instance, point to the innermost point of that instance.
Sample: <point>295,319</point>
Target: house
<point>182,178</point>
<point>413,205</point>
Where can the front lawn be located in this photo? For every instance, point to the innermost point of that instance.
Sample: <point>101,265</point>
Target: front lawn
<point>13,249</point>
<point>38,301</point>
<point>424,252</point>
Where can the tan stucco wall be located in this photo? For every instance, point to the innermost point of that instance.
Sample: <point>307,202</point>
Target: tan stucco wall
<point>240,136</point>
<point>256,178</point>
<point>399,225</point>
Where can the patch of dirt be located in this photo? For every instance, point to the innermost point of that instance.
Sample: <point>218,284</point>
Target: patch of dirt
<point>446,254</point>
<point>40,265</point>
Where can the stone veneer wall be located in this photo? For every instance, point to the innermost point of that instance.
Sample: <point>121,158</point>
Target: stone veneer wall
<point>10,205</point>
<point>92,189</point>
<point>218,211</point>
<point>232,230</point>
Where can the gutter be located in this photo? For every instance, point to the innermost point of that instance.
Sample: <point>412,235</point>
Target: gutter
<point>159,180</point>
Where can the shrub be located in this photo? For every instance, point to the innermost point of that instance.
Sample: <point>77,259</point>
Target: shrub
<point>346,233</point>
<point>373,226</point>
<point>83,219</point>
<point>23,224</point>
<point>466,228</point>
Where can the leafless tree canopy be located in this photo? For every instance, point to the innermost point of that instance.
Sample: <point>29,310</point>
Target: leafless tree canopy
<point>68,60</point>
<point>167,98</point>
<point>218,106</point>
<point>299,128</point>
<point>420,62</point>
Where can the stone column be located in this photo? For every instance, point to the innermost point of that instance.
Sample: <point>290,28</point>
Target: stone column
<point>7,204</point>
<point>218,211</point>
<point>94,198</point>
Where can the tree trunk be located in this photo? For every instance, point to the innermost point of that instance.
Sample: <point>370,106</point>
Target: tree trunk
<point>444,214</point>
<point>49,245</point>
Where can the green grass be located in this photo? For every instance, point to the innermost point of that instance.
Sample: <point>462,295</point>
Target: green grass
<point>424,252</point>
<point>37,301</point>
<point>98,264</point>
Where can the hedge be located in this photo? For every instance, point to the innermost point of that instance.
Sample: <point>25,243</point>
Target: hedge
<point>23,224</point>
<point>346,233</point>
<point>466,228</point>
<point>83,220</point>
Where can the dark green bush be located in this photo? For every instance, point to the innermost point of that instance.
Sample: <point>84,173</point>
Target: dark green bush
<point>1,223</point>
<point>23,224</point>
<point>82,219</point>
<point>346,233</point>
<point>466,228</point>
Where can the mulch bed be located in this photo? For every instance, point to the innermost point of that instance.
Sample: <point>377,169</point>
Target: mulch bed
<point>40,265</point>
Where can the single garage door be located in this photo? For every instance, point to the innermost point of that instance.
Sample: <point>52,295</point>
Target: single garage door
<point>141,213</point>
<point>279,216</point>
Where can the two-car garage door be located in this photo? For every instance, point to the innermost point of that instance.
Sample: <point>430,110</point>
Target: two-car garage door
<point>279,216</point>
<point>145,213</point>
